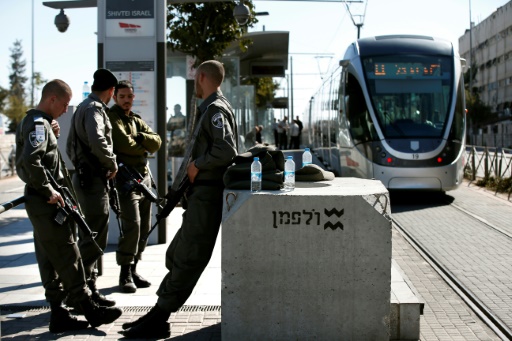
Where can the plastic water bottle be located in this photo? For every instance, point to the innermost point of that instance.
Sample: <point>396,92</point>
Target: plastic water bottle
<point>289,174</point>
<point>86,90</point>
<point>256,175</point>
<point>307,158</point>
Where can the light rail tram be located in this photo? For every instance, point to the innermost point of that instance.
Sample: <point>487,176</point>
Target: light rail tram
<point>393,110</point>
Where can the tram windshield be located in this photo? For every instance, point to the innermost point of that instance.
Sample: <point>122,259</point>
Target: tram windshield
<point>410,94</point>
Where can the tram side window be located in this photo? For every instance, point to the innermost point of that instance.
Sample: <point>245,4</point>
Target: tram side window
<point>361,125</point>
<point>459,120</point>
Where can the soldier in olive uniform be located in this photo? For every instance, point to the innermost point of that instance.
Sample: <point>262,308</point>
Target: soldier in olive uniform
<point>133,140</point>
<point>58,257</point>
<point>89,146</point>
<point>192,247</point>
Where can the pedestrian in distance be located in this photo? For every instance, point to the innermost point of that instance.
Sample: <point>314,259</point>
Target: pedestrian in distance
<point>89,147</point>
<point>133,140</point>
<point>282,129</point>
<point>250,137</point>
<point>259,139</point>
<point>59,260</point>
<point>276,132</point>
<point>294,135</point>
<point>190,251</point>
<point>301,126</point>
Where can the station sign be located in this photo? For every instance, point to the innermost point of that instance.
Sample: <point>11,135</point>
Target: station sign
<point>135,18</point>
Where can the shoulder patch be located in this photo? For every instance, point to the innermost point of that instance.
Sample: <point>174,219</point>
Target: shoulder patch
<point>218,121</point>
<point>37,136</point>
<point>34,139</point>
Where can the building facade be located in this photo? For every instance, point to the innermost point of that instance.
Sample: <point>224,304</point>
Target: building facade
<point>487,47</point>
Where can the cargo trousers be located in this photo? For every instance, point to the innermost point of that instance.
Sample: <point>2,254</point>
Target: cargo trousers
<point>136,223</point>
<point>95,208</point>
<point>57,254</point>
<point>191,249</point>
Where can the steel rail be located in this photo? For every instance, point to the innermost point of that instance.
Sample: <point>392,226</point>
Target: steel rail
<point>482,220</point>
<point>478,307</point>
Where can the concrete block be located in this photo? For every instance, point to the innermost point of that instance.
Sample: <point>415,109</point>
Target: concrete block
<point>406,307</point>
<point>314,263</point>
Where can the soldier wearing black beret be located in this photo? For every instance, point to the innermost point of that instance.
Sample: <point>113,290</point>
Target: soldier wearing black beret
<point>89,146</point>
<point>103,80</point>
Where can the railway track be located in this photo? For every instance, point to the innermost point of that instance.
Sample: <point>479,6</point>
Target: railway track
<point>429,250</point>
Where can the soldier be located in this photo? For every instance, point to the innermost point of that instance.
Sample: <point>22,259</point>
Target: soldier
<point>133,140</point>
<point>58,257</point>
<point>192,247</point>
<point>89,146</point>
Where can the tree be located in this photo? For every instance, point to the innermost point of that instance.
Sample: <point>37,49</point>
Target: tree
<point>265,89</point>
<point>38,82</point>
<point>16,106</point>
<point>470,78</point>
<point>479,113</point>
<point>205,30</point>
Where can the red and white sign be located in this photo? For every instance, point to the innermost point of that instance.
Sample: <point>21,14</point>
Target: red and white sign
<point>130,27</point>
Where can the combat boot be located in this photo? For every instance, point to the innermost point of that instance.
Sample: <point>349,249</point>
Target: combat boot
<point>73,305</point>
<point>139,281</point>
<point>96,295</point>
<point>153,325</point>
<point>98,315</point>
<point>141,319</point>
<point>125,279</point>
<point>61,320</point>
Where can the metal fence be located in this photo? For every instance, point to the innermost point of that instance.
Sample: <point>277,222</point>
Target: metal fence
<point>489,162</point>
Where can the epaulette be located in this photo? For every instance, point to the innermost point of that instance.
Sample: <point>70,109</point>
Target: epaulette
<point>98,105</point>
<point>38,119</point>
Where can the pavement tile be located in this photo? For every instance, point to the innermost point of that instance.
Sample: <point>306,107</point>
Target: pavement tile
<point>445,317</point>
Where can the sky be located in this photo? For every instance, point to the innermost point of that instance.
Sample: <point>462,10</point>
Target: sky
<point>320,32</point>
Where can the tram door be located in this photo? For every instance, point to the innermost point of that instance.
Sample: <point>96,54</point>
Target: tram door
<point>361,129</point>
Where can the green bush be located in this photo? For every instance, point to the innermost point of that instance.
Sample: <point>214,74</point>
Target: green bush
<point>503,185</point>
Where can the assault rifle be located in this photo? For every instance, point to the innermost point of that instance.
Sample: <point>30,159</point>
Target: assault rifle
<point>173,198</point>
<point>72,209</point>
<point>113,199</point>
<point>182,183</point>
<point>133,180</point>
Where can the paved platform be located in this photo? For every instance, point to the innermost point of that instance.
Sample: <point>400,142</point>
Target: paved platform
<point>24,314</point>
